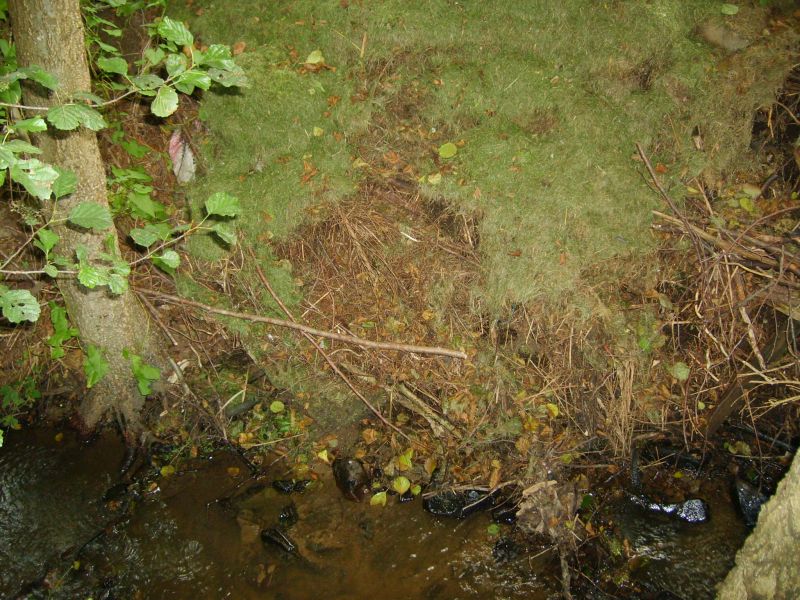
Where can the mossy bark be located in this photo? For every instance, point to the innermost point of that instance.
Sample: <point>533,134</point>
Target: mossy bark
<point>50,34</point>
<point>768,565</point>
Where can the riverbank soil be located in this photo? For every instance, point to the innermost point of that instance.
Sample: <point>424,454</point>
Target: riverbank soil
<point>596,204</point>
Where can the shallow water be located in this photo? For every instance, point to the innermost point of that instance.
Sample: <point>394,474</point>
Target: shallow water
<point>182,542</point>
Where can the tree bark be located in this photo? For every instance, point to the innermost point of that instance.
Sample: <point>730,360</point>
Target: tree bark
<point>768,565</point>
<point>50,34</point>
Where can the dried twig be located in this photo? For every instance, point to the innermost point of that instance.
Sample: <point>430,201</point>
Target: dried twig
<point>348,339</point>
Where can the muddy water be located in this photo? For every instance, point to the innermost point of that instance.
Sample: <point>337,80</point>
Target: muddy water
<point>180,541</point>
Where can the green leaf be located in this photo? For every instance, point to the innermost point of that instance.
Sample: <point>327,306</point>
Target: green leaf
<point>176,64</point>
<point>62,332</point>
<point>50,270</point>
<point>168,261</point>
<point>33,125</point>
<point>165,103</point>
<point>680,371</point>
<point>94,366</point>
<point>401,484</point>
<point>222,204</point>
<point>115,64</point>
<point>117,284</point>
<point>728,9</point>
<point>315,58</point>
<point>145,374</point>
<point>154,56</point>
<point>70,116</point>
<point>21,147</point>
<point>189,80</point>
<point>134,148</point>
<point>65,184</point>
<point>448,150</point>
<point>378,499</point>
<point>217,56</point>
<point>91,276</point>
<point>40,76</point>
<point>225,233</point>
<point>150,234</point>
<point>7,158</point>
<point>19,305</point>
<point>147,81</point>
<point>91,215</point>
<point>35,176</point>
<point>493,529</point>
<point>175,31</point>
<point>276,407</point>
<point>47,240</point>
<point>229,77</point>
<point>143,206</point>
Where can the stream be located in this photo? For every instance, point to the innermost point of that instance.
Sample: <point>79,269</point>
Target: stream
<point>189,536</point>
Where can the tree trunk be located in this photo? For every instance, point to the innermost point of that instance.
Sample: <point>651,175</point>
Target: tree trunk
<point>768,565</point>
<point>50,34</point>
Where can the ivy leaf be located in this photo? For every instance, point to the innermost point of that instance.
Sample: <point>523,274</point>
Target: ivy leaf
<point>168,261</point>
<point>35,176</point>
<point>90,215</point>
<point>65,184</point>
<point>94,365</point>
<point>18,305</point>
<point>165,103</point>
<point>175,31</point>
<point>115,64</point>
<point>222,204</point>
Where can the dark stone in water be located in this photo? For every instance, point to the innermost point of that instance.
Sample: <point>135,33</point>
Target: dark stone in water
<point>691,511</point>
<point>505,514</point>
<point>458,504</point>
<point>749,499</point>
<point>275,536</point>
<point>288,486</point>
<point>351,478</point>
<point>505,550</point>
<point>288,515</point>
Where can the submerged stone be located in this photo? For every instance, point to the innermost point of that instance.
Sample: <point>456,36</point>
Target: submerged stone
<point>458,504</point>
<point>693,510</point>
<point>289,486</point>
<point>275,536</point>
<point>749,500</point>
<point>351,478</point>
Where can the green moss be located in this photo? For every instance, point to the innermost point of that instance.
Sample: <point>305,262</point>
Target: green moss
<point>549,99</point>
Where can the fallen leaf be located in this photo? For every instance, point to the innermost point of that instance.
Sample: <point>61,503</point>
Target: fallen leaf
<point>238,48</point>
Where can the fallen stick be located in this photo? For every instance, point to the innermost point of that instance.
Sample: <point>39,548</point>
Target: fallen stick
<point>328,359</point>
<point>348,339</point>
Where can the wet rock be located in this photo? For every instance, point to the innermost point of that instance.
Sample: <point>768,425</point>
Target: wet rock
<point>505,550</point>
<point>458,504</point>
<point>275,536</point>
<point>351,478</point>
<point>506,514</point>
<point>290,486</point>
<point>749,500</point>
<point>288,515</point>
<point>692,511</point>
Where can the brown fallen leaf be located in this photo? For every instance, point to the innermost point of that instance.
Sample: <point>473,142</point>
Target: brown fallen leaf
<point>238,48</point>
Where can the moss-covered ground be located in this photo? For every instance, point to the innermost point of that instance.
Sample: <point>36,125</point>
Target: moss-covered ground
<point>466,174</point>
